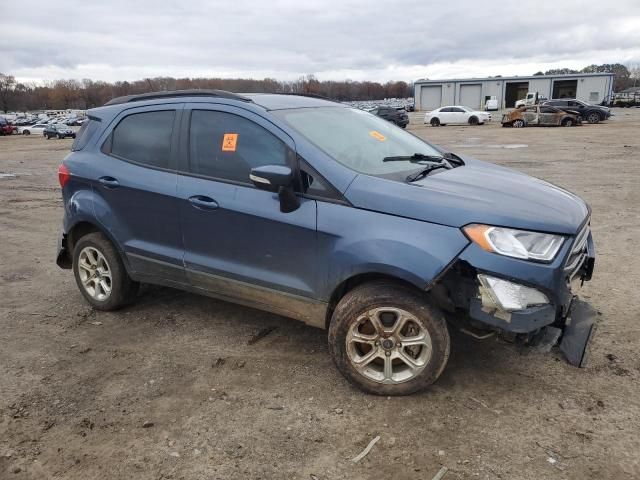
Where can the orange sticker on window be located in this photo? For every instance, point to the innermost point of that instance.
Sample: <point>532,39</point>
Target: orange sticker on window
<point>229,142</point>
<point>377,135</point>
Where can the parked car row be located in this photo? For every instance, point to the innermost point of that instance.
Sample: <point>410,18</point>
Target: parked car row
<point>536,111</point>
<point>58,130</point>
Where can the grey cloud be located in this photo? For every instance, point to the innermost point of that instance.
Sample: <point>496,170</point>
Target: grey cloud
<point>292,38</point>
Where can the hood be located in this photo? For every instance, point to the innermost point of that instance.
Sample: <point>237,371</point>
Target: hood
<point>478,192</point>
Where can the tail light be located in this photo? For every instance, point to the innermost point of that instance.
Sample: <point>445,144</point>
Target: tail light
<point>63,175</point>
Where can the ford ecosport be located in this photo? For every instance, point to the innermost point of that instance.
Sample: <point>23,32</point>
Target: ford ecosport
<point>327,214</point>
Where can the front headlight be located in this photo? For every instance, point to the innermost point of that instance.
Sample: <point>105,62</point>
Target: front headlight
<point>541,247</point>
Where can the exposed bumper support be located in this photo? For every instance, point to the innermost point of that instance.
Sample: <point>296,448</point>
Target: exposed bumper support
<point>579,328</point>
<point>63,259</point>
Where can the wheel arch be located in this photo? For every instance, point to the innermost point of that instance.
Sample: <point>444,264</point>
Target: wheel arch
<point>84,227</point>
<point>354,281</point>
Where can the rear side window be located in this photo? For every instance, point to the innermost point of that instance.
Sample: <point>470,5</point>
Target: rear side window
<point>144,138</point>
<point>227,146</point>
<point>85,133</point>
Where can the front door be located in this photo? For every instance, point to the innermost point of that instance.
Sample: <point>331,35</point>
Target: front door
<point>238,244</point>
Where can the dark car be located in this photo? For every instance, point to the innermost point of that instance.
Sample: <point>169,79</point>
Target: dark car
<point>58,130</point>
<point>589,113</point>
<point>391,114</point>
<point>329,215</point>
<point>7,128</point>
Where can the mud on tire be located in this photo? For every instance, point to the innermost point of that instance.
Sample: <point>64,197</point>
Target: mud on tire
<point>384,300</point>
<point>123,290</point>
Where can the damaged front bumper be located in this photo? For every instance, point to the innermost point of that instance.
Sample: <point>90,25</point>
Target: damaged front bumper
<point>535,303</point>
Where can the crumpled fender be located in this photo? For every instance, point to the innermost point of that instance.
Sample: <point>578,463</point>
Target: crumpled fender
<point>353,241</point>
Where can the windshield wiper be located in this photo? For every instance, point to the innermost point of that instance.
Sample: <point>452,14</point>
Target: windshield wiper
<point>425,171</point>
<point>415,158</point>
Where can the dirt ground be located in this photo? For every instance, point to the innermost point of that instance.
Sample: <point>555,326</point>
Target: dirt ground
<point>77,386</point>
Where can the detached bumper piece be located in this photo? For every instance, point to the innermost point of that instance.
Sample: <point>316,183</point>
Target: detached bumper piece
<point>63,259</point>
<point>579,328</point>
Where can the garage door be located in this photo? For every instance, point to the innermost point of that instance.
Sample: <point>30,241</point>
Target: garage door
<point>470,95</point>
<point>431,97</point>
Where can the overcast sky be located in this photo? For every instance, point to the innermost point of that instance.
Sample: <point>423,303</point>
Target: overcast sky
<point>333,39</point>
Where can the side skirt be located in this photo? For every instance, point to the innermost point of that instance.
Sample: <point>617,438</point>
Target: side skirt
<point>312,312</point>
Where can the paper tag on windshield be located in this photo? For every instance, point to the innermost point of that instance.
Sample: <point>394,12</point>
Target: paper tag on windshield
<point>377,135</point>
<point>229,142</point>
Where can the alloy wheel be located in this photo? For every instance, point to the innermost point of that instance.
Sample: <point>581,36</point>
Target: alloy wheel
<point>95,273</point>
<point>388,345</point>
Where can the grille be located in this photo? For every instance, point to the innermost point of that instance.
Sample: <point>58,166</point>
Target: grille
<point>578,253</point>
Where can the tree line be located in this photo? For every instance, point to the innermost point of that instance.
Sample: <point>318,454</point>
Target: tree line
<point>85,94</point>
<point>625,77</point>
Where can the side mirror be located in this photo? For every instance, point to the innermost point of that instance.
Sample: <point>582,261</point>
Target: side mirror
<point>277,178</point>
<point>271,177</point>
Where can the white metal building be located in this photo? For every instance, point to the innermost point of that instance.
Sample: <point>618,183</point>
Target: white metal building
<point>474,92</point>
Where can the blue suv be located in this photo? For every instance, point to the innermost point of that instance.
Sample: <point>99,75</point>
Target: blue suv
<point>326,214</point>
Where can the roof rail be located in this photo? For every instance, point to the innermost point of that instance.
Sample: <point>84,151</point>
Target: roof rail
<point>177,93</point>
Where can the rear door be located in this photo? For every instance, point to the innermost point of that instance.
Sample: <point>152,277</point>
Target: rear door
<point>238,244</point>
<point>458,115</point>
<point>549,115</point>
<point>135,180</point>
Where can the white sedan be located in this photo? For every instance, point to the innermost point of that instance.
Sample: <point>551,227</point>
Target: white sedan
<point>38,128</point>
<point>456,115</point>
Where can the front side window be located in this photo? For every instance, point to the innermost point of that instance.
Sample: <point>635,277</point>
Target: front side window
<point>144,138</point>
<point>227,146</point>
<point>357,139</point>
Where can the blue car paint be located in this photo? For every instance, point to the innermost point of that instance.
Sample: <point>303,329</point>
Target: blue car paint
<point>353,241</point>
<point>479,192</point>
<point>408,231</point>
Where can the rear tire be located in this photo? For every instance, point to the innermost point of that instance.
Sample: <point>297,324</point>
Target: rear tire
<point>386,339</point>
<point>100,273</point>
<point>517,123</point>
<point>435,122</point>
<point>567,122</point>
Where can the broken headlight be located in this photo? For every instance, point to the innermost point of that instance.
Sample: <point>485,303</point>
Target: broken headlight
<point>541,247</point>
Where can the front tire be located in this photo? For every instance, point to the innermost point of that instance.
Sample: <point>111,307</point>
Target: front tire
<point>567,122</point>
<point>386,339</point>
<point>26,132</point>
<point>517,123</point>
<point>435,122</point>
<point>100,273</point>
<point>473,121</point>
<point>593,117</point>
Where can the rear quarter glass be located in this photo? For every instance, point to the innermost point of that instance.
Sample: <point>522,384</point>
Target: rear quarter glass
<point>85,133</point>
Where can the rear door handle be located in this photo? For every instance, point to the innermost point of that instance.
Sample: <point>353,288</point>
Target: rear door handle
<point>109,182</point>
<point>203,202</point>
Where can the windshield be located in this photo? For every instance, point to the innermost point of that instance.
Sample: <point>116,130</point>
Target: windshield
<point>357,139</point>
<point>466,109</point>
